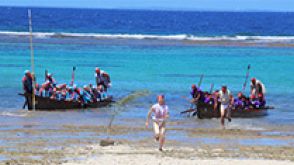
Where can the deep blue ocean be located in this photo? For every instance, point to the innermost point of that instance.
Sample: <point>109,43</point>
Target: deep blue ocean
<point>149,22</point>
<point>161,51</point>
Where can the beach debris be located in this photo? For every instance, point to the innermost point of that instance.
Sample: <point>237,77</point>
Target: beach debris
<point>106,142</point>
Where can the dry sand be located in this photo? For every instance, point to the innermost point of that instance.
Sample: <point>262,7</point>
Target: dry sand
<point>127,155</point>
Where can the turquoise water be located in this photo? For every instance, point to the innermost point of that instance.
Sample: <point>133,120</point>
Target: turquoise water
<point>142,64</point>
<point>165,68</point>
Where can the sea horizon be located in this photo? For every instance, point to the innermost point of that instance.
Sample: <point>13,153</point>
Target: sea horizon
<point>156,9</point>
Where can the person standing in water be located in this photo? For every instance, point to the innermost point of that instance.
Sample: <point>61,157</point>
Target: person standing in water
<point>159,118</point>
<point>257,88</point>
<point>102,78</point>
<point>27,84</point>
<point>226,100</point>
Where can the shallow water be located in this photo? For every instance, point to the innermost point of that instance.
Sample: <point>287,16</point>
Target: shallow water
<point>169,69</point>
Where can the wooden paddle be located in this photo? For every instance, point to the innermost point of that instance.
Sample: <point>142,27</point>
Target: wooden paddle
<point>73,76</point>
<point>246,79</point>
<point>211,88</point>
<point>46,74</point>
<point>189,110</point>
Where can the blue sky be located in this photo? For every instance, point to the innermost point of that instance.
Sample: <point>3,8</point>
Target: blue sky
<point>222,5</point>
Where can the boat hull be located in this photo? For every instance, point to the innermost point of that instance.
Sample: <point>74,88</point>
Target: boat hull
<point>207,111</point>
<point>47,104</point>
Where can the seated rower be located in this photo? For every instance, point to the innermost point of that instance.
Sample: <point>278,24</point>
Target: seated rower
<point>46,89</point>
<point>54,94</point>
<point>37,89</point>
<point>240,101</point>
<point>62,94</point>
<point>92,91</point>
<point>257,102</point>
<point>101,94</point>
<point>208,99</point>
<point>261,100</point>
<point>86,96</point>
<point>78,93</point>
<point>71,95</point>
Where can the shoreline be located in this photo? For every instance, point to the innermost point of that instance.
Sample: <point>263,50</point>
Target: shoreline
<point>80,145</point>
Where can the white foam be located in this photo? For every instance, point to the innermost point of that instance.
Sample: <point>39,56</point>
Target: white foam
<point>13,114</point>
<point>179,37</point>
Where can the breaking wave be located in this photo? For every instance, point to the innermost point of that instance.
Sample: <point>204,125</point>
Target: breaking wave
<point>177,37</point>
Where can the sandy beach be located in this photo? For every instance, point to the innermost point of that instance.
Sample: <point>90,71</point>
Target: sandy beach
<point>134,144</point>
<point>122,154</point>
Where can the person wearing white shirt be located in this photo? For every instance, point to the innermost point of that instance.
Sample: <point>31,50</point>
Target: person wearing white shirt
<point>159,118</point>
<point>226,100</point>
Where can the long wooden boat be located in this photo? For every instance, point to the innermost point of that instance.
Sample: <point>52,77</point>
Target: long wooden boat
<point>207,111</point>
<point>47,104</point>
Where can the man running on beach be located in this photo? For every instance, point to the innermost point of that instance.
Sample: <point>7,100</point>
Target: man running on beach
<point>226,99</point>
<point>159,118</point>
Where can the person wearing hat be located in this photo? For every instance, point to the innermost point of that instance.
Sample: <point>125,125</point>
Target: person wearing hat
<point>102,78</point>
<point>106,81</point>
<point>27,84</point>
<point>86,95</point>
<point>160,115</point>
<point>226,100</point>
<point>196,96</point>
<point>257,87</point>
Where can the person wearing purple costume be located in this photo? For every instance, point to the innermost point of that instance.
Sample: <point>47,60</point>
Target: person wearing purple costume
<point>208,99</point>
<point>258,102</point>
<point>239,101</point>
<point>196,96</point>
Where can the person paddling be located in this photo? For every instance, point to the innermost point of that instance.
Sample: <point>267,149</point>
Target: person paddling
<point>226,99</point>
<point>161,114</point>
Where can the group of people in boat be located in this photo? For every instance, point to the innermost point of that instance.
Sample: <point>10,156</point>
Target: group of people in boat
<point>255,100</point>
<point>68,92</point>
<point>227,102</point>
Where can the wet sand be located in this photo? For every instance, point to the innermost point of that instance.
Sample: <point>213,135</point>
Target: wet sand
<point>73,144</point>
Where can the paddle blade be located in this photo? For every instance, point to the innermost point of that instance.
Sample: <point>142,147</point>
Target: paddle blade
<point>74,68</point>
